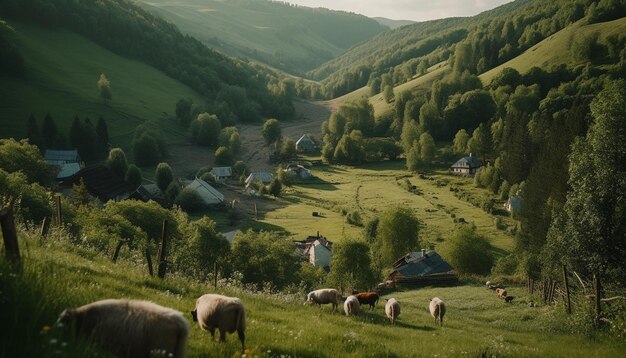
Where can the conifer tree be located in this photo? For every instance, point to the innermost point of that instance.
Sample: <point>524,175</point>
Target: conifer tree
<point>32,132</point>
<point>48,131</point>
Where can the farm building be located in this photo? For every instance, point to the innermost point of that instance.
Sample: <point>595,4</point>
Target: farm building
<point>209,194</point>
<point>425,267</point>
<point>318,249</point>
<point>466,166</point>
<point>65,162</point>
<point>305,144</point>
<point>263,177</point>
<point>101,183</point>
<point>221,173</point>
<point>231,235</point>
<point>514,204</point>
<point>298,171</point>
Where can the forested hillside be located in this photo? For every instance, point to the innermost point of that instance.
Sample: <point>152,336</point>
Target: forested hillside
<point>234,88</point>
<point>288,37</point>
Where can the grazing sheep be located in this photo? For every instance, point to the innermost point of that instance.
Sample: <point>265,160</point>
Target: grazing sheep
<point>128,328</point>
<point>488,284</point>
<point>324,296</point>
<point>227,314</point>
<point>368,298</point>
<point>508,299</point>
<point>351,306</point>
<point>437,310</point>
<point>501,292</point>
<point>392,309</point>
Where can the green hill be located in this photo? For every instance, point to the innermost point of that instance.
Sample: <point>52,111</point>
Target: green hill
<point>57,275</point>
<point>291,38</point>
<point>60,78</point>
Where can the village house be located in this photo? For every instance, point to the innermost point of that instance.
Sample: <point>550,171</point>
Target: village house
<point>317,249</point>
<point>221,173</point>
<point>259,177</point>
<point>208,194</point>
<point>423,267</point>
<point>65,162</point>
<point>305,144</point>
<point>467,166</point>
<point>298,171</point>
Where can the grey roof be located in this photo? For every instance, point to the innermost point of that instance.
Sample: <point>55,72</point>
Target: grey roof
<point>468,162</point>
<point>222,171</point>
<point>67,170</point>
<point>422,264</point>
<point>305,139</point>
<point>52,156</point>
<point>208,193</point>
<point>263,177</point>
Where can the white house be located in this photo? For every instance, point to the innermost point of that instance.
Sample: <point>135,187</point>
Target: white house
<point>221,173</point>
<point>263,177</point>
<point>305,144</point>
<point>466,166</point>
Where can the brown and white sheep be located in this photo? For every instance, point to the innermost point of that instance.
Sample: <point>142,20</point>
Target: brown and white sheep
<point>437,310</point>
<point>324,296</point>
<point>501,292</point>
<point>351,306</point>
<point>392,309</point>
<point>226,314</point>
<point>128,328</point>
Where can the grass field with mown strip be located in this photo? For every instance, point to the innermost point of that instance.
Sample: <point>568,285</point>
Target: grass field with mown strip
<point>62,69</point>
<point>59,275</point>
<point>371,189</point>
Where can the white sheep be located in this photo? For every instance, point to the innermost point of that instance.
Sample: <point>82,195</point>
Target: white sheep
<point>392,309</point>
<point>351,306</point>
<point>324,296</point>
<point>130,328</point>
<point>437,310</point>
<point>227,314</point>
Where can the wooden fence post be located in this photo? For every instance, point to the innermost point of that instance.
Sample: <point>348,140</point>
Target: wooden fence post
<point>596,289</point>
<point>59,212</point>
<point>566,284</point>
<point>45,226</point>
<point>149,261</point>
<point>162,257</point>
<point>116,253</point>
<point>11,247</point>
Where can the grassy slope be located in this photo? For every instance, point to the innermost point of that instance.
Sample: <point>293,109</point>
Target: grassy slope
<point>62,70</point>
<point>371,189</point>
<point>555,50</point>
<point>476,321</point>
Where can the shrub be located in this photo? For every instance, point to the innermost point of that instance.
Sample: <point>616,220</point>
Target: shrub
<point>163,176</point>
<point>468,252</point>
<point>223,156</point>
<point>506,265</point>
<point>172,191</point>
<point>354,218</point>
<point>134,176</point>
<point>189,200</point>
<point>117,162</point>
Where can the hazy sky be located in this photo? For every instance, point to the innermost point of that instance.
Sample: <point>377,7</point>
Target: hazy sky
<point>416,10</point>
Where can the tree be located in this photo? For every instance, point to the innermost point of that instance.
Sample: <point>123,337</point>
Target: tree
<point>427,148</point>
<point>388,94</point>
<point>275,187</point>
<point>183,111</point>
<point>203,247</point>
<point>23,157</point>
<point>117,162</point>
<point>105,88</point>
<point>205,129</point>
<point>32,132</point>
<point>468,252</point>
<point>102,131</point>
<point>271,131</point>
<point>223,156</point>
<point>80,193</point>
<point>188,199</point>
<point>163,176</point>
<point>396,235</point>
<point>460,141</point>
<point>265,257</point>
<point>288,150</point>
<point>350,266</point>
<point>413,156</point>
<point>88,142</point>
<point>588,232</point>
<point>76,133</point>
<point>480,144</point>
<point>49,131</point>
<point>133,176</point>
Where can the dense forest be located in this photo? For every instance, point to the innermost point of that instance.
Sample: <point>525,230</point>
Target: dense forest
<point>234,88</point>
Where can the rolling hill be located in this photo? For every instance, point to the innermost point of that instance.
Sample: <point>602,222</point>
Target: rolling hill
<point>60,78</point>
<point>291,38</point>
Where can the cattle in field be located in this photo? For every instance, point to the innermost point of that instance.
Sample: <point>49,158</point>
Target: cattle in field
<point>368,298</point>
<point>129,328</point>
<point>226,314</point>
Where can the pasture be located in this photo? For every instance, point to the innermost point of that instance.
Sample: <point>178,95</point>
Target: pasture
<point>370,189</point>
<point>58,274</point>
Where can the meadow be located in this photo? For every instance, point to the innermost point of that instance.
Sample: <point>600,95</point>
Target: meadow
<point>57,274</point>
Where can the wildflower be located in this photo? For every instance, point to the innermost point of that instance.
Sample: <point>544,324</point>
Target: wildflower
<point>45,329</point>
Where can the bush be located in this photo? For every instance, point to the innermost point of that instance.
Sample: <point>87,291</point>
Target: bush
<point>223,156</point>
<point>205,129</point>
<point>189,200</point>
<point>506,265</point>
<point>354,218</point>
<point>163,176</point>
<point>468,252</point>
<point>133,176</point>
<point>172,191</point>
